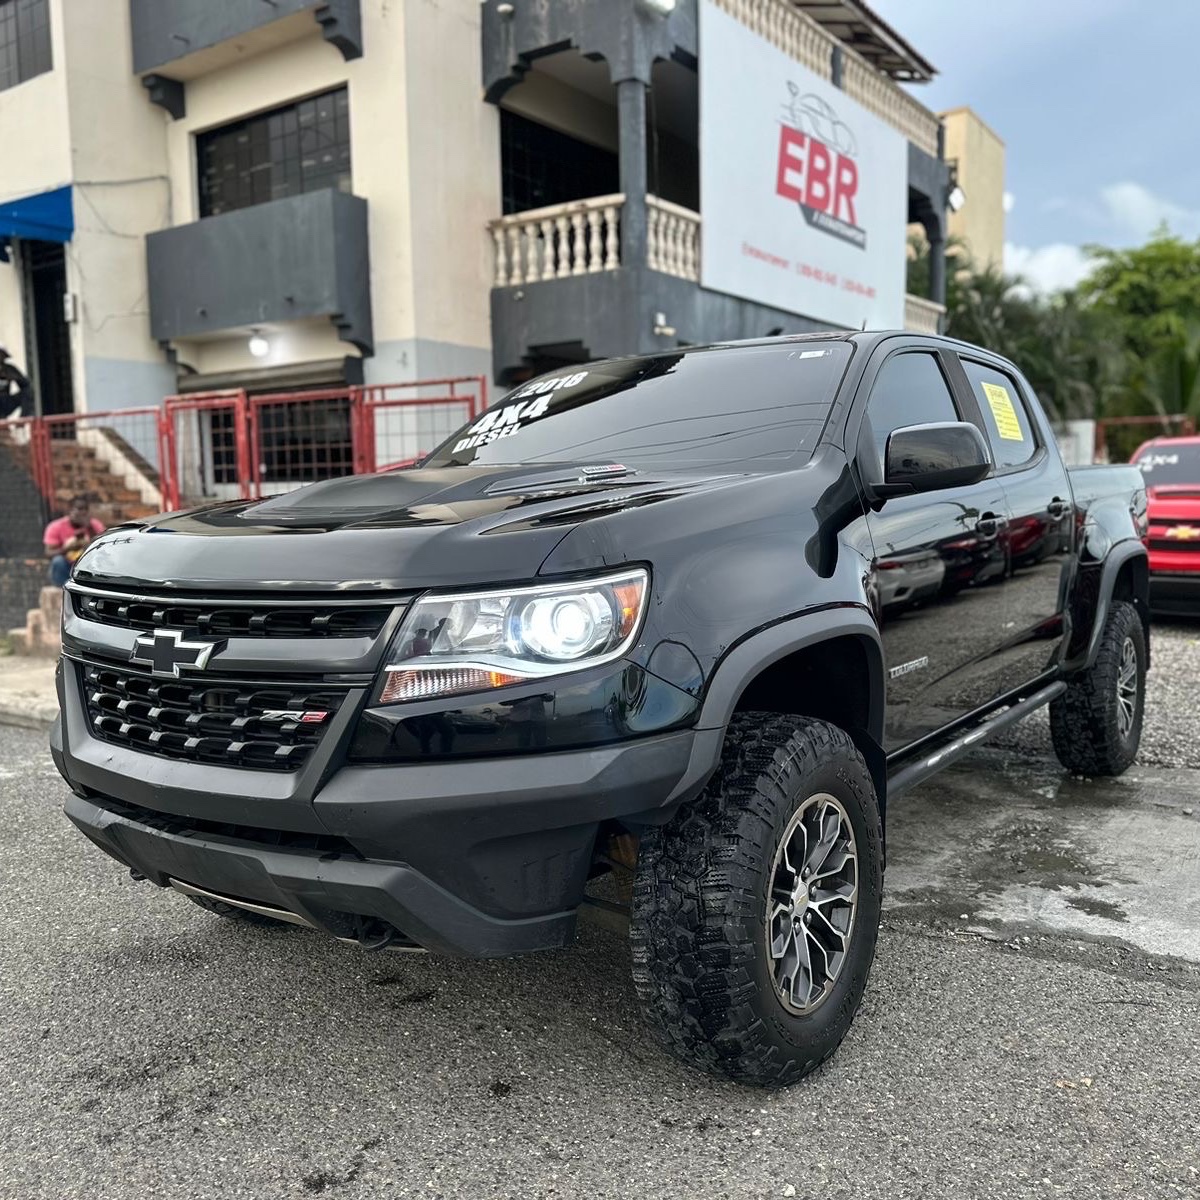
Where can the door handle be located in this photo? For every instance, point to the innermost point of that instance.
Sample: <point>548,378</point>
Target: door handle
<point>988,524</point>
<point>1057,508</point>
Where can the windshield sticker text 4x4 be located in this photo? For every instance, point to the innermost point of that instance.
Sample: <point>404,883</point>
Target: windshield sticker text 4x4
<point>506,419</point>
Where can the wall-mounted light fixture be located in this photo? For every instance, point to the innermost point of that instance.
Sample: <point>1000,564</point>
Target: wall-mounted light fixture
<point>660,8</point>
<point>258,345</point>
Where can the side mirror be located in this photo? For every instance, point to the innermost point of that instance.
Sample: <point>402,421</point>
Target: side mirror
<point>926,458</point>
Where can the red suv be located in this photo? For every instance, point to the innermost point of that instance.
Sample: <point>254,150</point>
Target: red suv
<point>1171,468</point>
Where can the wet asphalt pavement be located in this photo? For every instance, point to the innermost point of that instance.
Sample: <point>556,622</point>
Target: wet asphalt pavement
<point>1032,1027</point>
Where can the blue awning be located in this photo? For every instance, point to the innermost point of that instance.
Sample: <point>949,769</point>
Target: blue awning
<point>47,217</point>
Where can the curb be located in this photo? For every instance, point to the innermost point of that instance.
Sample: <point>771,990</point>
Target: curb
<point>35,715</point>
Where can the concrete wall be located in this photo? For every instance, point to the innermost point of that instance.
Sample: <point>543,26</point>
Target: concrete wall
<point>35,141</point>
<point>424,154</point>
<point>979,153</point>
<point>121,193</point>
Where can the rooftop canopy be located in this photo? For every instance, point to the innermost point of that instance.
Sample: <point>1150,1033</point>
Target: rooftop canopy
<point>852,22</point>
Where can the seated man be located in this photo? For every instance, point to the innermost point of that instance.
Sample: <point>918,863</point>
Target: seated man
<point>68,537</point>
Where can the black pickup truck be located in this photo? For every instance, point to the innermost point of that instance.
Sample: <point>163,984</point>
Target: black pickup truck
<point>656,637</point>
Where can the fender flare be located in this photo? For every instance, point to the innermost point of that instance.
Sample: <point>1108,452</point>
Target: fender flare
<point>1114,561</point>
<point>752,655</point>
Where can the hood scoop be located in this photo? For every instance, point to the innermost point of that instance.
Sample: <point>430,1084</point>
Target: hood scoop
<point>569,477</point>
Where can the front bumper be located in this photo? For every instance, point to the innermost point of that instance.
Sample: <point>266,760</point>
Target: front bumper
<point>1175,593</point>
<point>483,858</point>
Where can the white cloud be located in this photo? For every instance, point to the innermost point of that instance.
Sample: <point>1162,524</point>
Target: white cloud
<point>1137,212</point>
<point>1127,213</point>
<point>1047,268</point>
<point>1007,201</point>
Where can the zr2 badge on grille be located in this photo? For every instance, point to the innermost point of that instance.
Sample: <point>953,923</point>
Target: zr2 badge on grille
<point>167,652</point>
<point>313,717</point>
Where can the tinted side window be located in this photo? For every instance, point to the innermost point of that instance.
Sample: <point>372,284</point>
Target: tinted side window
<point>1004,416</point>
<point>909,390</point>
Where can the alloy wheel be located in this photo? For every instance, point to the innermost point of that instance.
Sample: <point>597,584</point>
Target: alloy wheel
<point>1127,688</point>
<point>812,903</point>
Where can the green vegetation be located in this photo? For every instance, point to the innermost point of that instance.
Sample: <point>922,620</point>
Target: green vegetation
<point>1125,342</point>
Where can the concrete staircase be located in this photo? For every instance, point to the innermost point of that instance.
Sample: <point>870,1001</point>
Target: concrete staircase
<point>78,470</point>
<point>40,634</point>
<point>119,486</point>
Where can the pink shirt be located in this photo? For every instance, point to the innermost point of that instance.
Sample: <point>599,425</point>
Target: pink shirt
<point>59,532</point>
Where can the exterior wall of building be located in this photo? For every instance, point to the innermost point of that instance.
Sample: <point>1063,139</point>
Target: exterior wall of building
<point>36,143</point>
<point>452,181</point>
<point>979,155</point>
<point>120,193</point>
<point>424,155</point>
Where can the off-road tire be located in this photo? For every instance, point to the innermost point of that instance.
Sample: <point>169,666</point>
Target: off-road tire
<point>1084,720</point>
<point>701,964</point>
<point>232,913</point>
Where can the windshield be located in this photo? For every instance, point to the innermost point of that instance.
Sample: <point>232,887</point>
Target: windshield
<point>751,405</point>
<point>1170,463</point>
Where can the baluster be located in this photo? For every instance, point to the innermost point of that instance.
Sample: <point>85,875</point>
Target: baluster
<point>654,237</point>
<point>594,262</point>
<point>676,246</point>
<point>501,256</point>
<point>694,252</point>
<point>564,245</point>
<point>548,264</point>
<point>612,242</point>
<point>514,254</point>
<point>530,230</point>
<point>578,250</point>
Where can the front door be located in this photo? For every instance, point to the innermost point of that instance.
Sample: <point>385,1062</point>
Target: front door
<point>940,563</point>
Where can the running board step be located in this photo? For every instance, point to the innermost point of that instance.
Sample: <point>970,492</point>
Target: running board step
<point>921,769</point>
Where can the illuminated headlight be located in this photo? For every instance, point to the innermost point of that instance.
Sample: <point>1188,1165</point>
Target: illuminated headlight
<point>482,640</point>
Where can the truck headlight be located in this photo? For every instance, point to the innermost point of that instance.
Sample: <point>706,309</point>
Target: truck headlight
<point>476,641</point>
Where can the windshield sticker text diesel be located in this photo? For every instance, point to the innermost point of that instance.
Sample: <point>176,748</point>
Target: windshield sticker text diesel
<point>506,419</point>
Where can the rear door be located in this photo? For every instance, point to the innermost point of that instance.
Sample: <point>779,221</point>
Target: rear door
<point>940,558</point>
<point>1041,527</point>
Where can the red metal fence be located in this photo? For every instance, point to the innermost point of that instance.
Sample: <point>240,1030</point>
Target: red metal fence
<point>232,445</point>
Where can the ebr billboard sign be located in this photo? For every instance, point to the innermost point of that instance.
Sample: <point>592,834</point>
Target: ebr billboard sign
<point>803,193</point>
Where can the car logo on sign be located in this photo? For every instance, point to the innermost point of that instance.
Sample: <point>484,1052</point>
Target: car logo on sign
<point>167,652</point>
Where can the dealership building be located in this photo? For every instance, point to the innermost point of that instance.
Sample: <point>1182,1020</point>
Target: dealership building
<point>292,195</point>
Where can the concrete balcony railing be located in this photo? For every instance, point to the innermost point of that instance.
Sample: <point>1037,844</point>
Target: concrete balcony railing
<point>922,315</point>
<point>578,238</point>
<point>800,37</point>
<point>583,237</point>
<point>674,239</point>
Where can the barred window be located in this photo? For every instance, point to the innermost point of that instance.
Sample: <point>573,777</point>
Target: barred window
<point>302,147</point>
<point>24,40</point>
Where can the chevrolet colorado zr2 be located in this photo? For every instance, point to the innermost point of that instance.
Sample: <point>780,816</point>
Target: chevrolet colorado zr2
<point>690,620</point>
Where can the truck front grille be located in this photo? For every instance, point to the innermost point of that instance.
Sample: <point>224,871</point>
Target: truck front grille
<point>263,725</point>
<point>265,618</point>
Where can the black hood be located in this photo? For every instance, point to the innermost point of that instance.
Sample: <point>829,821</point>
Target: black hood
<point>398,530</point>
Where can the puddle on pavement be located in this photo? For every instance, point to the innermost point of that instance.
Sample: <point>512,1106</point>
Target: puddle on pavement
<point>1000,841</point>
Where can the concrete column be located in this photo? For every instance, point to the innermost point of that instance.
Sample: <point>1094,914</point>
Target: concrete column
<point>631,109</point>
<point>935,231</point>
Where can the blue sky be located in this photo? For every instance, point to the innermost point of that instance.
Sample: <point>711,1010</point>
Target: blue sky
<point>1098,103</point>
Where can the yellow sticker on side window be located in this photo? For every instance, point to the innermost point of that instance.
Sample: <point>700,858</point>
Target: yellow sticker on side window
<point>1007,425</point>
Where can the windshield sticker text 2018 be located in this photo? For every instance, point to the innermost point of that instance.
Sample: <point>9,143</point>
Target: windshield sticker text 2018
<point>506,419</point>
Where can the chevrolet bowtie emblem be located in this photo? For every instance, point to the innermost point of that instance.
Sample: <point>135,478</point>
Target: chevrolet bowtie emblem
<point>167,652</point>
<point>1184,533</point>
